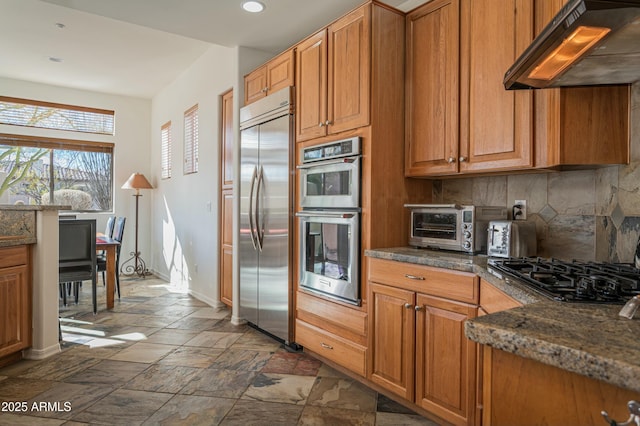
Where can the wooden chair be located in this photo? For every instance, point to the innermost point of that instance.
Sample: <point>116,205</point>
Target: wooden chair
<point>77,255</point>
<point>118,234</point>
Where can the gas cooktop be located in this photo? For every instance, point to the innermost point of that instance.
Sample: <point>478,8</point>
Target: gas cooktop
<point>574,281</point>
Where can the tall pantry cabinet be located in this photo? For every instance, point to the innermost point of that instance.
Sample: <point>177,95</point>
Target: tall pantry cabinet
<point>350,83</point>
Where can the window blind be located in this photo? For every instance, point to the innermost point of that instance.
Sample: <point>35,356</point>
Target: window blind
<point>165,132</point>
<point>48,115</point>
<point>191,140</point>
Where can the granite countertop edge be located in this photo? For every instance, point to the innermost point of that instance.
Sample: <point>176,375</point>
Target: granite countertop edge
<point>589,340</point>
<point>18,241</point>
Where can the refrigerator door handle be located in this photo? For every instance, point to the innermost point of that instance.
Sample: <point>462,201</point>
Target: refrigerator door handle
<point>259,210</point>
<point>251,221</point>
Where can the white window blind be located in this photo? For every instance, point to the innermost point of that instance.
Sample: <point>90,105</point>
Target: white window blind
<point>166,150</point>
<point>47,115</point>
<point>191,140</point>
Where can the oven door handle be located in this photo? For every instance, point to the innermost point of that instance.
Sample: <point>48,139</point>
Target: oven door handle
<point>251,216</point>
<point>259,211</point>
<point>325,214</point>
<point>320,163</point>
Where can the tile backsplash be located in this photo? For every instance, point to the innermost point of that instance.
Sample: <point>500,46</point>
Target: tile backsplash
<point>586,214</point>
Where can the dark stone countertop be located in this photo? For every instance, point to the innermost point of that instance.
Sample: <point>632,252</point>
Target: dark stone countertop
<point>587,339</point>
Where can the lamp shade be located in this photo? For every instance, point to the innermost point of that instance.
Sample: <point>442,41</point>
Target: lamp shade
<point>137,181</point>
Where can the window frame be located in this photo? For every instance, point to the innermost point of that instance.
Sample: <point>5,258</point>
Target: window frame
<point>29,141</point>
<point>165,150</point>
<point>191,139</point>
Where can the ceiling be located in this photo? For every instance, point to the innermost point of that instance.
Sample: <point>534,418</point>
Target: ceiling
<point>136,47</point>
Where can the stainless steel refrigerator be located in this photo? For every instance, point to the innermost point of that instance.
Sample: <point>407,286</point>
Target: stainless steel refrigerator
<point>266,187</point>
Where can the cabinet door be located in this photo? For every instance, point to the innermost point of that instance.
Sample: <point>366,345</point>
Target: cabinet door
<point>445,359</point>
<point>432,93</point>
<point>255,85</point>
<point>311,92</point>
<point>349,64</point>
<point>392,323</point>
<point>226,143</point>
<point>496,125</point>
<point>15,309</point>
<point>226,253</point>
<point>280,72</point>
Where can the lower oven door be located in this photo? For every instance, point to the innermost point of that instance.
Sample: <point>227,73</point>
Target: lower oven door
<point>330,254</point>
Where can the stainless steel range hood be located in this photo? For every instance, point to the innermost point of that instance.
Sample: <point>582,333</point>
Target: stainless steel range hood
<point>589,42</point>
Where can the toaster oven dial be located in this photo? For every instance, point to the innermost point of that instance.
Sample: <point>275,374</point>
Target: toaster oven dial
<point>467,234</point>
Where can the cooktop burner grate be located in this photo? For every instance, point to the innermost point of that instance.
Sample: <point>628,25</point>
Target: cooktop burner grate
<point>573,281</point>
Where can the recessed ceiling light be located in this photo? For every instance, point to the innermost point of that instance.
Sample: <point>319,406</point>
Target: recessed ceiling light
<point>253,6</point>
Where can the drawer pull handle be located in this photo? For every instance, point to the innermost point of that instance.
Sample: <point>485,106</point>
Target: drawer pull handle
<point>414,277</point>
<point>324,345</point>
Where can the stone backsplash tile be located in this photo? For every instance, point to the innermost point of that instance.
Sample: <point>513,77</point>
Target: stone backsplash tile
<point>572,193</point>
<point>490,191</point>
<point>533,186</point>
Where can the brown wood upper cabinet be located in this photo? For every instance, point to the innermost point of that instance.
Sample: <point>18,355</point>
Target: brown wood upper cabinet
<point>472,124</point>
<point>333,75</point>
<point>272,76</point>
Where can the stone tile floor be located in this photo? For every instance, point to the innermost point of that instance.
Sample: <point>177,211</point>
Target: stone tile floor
<point>164,357</point>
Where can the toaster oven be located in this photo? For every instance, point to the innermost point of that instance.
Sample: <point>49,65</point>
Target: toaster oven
<point>452,226</point>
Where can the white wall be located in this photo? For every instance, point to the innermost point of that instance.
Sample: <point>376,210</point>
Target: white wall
<point>185,207</point>
<point>131,152</point>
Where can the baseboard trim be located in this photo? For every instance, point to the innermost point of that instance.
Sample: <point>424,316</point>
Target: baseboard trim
<point>214,303</point>
<point>32,353</point>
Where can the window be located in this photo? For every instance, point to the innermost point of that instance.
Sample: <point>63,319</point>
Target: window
<point>38,171</point>
<point>165,136</point>
<point>25,112</point>
<point>191,140</point>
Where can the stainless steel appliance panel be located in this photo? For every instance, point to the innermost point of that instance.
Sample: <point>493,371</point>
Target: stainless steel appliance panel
<point>265,213</point>
<point>248,246</point>
<point>273,225</point>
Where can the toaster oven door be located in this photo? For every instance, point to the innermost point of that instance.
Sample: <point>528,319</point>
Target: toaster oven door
<point>436,229</point>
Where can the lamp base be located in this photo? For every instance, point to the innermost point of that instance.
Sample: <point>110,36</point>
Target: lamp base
<point>134,265</point>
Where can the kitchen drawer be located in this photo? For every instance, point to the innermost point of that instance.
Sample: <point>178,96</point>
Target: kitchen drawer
<point>338,319</point>
<point>332,347</point>
<point>454,285</point>
<point>13,256</point>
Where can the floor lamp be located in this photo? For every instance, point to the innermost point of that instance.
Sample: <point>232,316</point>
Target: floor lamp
<point>135,264</point>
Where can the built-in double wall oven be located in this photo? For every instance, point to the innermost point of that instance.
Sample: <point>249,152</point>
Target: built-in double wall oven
<point>329,183</point>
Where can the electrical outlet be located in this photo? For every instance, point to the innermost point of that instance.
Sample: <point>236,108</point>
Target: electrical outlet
<point>520,210</point>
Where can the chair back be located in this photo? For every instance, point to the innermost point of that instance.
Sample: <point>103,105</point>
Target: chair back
<point>118,229</point>
<point>108,230</point>
<point>77,250</point>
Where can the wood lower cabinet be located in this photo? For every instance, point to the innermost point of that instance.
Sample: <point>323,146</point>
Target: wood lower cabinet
<point>15,300</point>
<point>226,252</point>
<point>333,75</point>
<point>276,74</point>
<point>520,391</point>
<point>417,342</point>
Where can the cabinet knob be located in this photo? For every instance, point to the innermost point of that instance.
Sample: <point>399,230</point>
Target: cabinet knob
<point>328,123</point>
<point>320,124</point>
<point>408,305</point>
<point>451,160</point>
<point>462,159</point>
<point>265,89</point>
<point>418,308</point>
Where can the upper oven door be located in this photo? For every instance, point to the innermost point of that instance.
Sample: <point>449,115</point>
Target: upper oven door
<point>330,184</point>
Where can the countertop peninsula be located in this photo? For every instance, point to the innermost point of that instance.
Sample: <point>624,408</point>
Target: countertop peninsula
<point>587,339</point>
<point>18,223</point>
